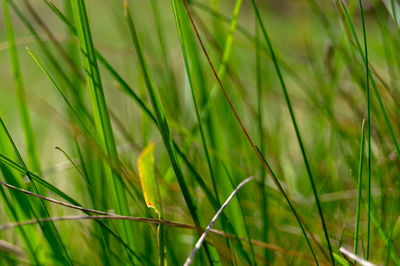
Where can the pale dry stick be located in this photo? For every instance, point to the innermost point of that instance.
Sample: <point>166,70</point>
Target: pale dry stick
<point>203,236</point>
<point>355,257</point>
<point>10,248</point>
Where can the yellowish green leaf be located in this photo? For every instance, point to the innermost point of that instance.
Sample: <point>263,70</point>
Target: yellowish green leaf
<point>148,179</point>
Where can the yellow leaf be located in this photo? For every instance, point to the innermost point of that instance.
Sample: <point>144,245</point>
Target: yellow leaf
<point>148,179</point>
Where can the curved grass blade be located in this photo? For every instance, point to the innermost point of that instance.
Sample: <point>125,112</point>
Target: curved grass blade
<point>59,91</point>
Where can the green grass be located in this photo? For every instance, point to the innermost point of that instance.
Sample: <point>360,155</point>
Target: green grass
<point>224,90</point>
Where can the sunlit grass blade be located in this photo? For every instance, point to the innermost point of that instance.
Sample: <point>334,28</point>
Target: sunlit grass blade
<point>101,117</point>
<point>340,260</point>
<point>191,64</point>
<point>20,93</point>
<point>173,87</point>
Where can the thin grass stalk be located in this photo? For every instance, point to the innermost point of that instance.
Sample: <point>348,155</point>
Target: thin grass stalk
<point>369,128</point>
<point>264,203</point>
<point>359,189</point>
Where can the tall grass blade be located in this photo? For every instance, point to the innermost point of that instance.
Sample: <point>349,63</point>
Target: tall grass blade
<point>369,127</point>
<point>264,202</point>
<point>100,114</point>
<point>20,93</point>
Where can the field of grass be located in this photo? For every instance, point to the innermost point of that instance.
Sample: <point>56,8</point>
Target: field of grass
<point>125,125</point>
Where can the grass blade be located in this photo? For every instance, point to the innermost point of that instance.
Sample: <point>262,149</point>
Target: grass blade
<point>20,92</point>
<point>100,113</point>
<point>359,190</point>
<point>369,127</point>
